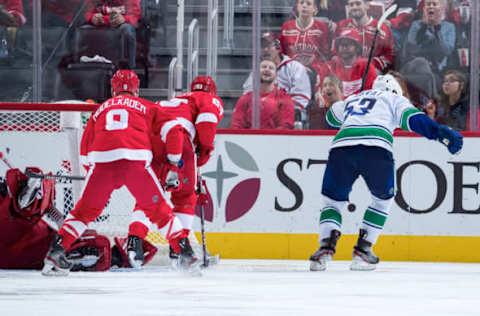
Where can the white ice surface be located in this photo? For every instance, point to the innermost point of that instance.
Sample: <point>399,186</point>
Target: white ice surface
<point>249,287</point>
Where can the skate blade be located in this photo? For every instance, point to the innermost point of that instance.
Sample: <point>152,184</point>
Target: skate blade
<point>318,266</point>
<point>49,269</point>
<point>358,264</point>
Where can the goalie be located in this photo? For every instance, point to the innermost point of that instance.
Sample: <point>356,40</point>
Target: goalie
<point>29,221</point>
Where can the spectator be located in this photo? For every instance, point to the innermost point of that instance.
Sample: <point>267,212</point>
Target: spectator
<point>276,106</point>
<point>11,13</point>
<point>429,43</point>
<point>348,65</point>
<point>366,26</point>
<point>452,108</point>
<point>11,17</point>
<point>330,11</point>
<point>121,14</point>
<point>330,92</point>
<point>305,38</point>
<point>291,74</point>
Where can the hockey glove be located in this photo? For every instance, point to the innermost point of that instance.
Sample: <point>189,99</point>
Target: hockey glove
<point>203,154</point>
<point>450,138</point>
<point>203,193</point>
<point>171,176</point>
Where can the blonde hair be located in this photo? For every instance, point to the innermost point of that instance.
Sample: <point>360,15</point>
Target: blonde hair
<point>336,81</point>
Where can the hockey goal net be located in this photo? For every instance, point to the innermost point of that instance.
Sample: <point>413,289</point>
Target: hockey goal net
<point>47,136</point>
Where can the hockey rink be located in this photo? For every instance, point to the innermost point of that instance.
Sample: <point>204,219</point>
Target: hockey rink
<point>249,287</point>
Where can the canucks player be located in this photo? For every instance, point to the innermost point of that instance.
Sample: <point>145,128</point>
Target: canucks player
<point>363,147</point>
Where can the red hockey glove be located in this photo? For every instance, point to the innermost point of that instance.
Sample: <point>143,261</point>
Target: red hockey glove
<point>203,154</point>
<point>171,176</point>
<point>203,193</point>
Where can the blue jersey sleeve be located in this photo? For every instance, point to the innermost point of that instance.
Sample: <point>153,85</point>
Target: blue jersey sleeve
<point>423,125</point>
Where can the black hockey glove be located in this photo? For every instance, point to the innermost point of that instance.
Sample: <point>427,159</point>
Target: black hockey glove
<point>450,138</point>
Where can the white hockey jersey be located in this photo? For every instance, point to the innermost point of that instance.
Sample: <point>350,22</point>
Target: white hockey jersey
<point>369,118</point>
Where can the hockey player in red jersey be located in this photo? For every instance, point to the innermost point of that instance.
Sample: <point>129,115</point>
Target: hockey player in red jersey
<point>24,236</point>
<point>199,113</point>
<point>29,220</point>
<point>116,148</point>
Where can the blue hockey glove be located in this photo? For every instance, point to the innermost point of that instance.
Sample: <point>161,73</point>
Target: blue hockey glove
<point>450,138</point>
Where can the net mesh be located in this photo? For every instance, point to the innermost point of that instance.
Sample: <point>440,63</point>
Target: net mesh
<point>38,138</point>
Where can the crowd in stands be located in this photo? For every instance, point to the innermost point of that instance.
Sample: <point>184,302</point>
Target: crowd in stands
<point>424,40</point>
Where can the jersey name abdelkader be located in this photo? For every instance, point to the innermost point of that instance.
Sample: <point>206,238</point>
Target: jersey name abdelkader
<point>196,111</point>
<point>369,118</point>
<point>120,129</point>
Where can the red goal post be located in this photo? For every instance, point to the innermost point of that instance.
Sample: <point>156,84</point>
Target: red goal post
<point>47,135</point>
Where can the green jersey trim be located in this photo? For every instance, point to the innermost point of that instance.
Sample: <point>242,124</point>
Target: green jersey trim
<point>368,132</point>
<point>406,115</point>
<point>331,120</point>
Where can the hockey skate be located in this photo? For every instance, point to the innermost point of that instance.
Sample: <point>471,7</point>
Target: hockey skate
<point>135,251</point>
<point>56,262</point>
<point>318,261</point>
<point>187,260</point>
<point>363,257</point>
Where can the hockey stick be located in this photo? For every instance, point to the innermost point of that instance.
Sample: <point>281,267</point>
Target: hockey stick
<point>32,174</point>
<point>5,161</point>
<point>382,19</point>
<point>202,190</point>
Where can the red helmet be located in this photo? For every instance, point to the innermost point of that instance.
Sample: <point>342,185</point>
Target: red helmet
<point>125,81</point>
<point>270,38</point>
<point>205,84</point>
<point>350,34</point>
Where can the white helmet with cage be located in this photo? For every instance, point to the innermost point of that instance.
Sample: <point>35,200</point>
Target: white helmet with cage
<point>387,83</point>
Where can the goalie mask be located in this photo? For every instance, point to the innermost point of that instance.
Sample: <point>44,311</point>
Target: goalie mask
<point>125,81</point>
<point>387,83</point>
<point>205,84</point>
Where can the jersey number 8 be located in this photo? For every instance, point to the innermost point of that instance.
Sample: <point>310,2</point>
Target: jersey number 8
<point>116,119</point>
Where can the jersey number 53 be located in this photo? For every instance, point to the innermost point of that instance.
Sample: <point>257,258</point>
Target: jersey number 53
<point>359,106</point>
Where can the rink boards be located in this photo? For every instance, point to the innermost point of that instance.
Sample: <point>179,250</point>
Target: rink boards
<point>266,195</point>
<point>276,180</point>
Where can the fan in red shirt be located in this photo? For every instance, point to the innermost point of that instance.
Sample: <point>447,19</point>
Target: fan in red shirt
<point>366,26</point>
<point>116,147</point>
<point>348,65</point>
<point>306,39</point>
<point>11,13</point>
<point>198,113</point>
<point>276,106</point>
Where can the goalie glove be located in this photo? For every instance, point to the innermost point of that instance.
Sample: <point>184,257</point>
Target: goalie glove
<point>171,176</point>
<point>450,138</point>
<point>203,154</point>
